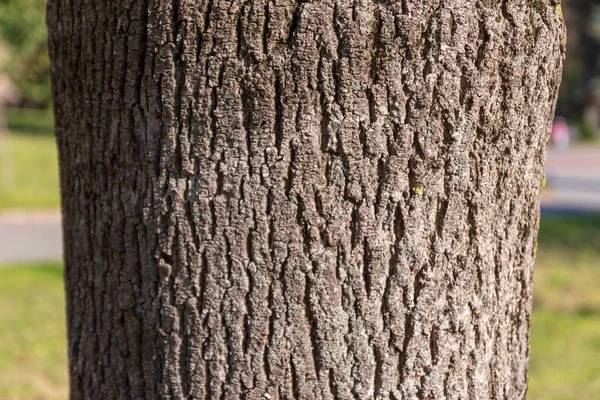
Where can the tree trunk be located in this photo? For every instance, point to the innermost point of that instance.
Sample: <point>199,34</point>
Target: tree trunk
<point>291,199</point>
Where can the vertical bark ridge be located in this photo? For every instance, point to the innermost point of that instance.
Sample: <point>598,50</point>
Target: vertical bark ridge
<point>300,199</point>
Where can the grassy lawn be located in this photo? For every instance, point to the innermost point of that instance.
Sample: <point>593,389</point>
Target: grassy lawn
<point>565,343</point>
<point>565,356</point>
<point>29,162</point>
<point>32,333</point>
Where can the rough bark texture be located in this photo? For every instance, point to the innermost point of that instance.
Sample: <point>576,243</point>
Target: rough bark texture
<point>302,199</point>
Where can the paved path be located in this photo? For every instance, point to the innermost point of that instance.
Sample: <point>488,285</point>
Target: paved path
<point>573,186</point>
<point>29,237</point>
<point>573,181</point>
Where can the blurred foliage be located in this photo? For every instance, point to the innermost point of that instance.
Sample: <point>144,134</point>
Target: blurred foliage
<point>587,131</point>
<point>579,99</point>
<point>23,34</point>
<point>30,121</point>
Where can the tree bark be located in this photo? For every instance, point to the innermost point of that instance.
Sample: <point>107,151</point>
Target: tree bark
<point>286,199</point>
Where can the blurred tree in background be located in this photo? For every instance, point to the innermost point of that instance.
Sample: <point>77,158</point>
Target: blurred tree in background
<point>23,36</point>
<point>580,93</point>
<point>24,63</point>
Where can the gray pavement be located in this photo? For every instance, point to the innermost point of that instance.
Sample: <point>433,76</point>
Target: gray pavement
<point>30,237</point>
<point>573,181</point>
<point>573,187</point>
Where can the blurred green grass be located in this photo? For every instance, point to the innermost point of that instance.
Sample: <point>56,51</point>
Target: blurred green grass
<point>565,356</point>
<point>29,161</point>
<point>568,265</point>
<point>33,354</point>
<point>565,341</point>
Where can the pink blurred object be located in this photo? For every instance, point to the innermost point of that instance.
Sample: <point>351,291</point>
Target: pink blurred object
<point>560,136</point>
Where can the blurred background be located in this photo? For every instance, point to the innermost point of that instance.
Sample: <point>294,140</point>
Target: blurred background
<point>565,344</point>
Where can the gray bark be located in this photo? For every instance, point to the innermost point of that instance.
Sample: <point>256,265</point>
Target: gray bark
<point>286,199</point>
